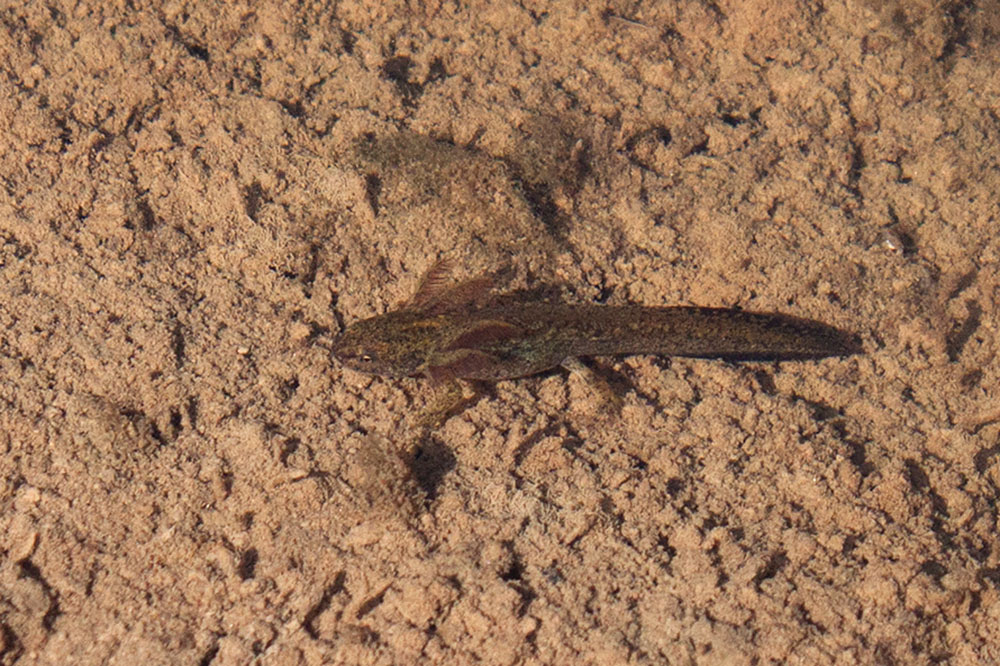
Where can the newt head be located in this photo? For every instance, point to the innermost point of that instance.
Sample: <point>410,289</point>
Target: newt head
<point>395,344</point>
<point>402,343</point>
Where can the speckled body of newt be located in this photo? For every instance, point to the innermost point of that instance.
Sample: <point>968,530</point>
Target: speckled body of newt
<point>450,331</point>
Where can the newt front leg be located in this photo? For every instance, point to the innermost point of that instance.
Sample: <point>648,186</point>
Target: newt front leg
<point>450,399</point>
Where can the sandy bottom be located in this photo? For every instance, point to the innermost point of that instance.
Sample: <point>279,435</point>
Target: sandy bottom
<point>196,198</point>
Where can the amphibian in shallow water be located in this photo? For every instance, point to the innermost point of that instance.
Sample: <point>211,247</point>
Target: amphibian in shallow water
<point>457,331</point>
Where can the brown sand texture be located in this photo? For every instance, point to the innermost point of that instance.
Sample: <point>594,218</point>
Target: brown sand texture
<point>196,196</point>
